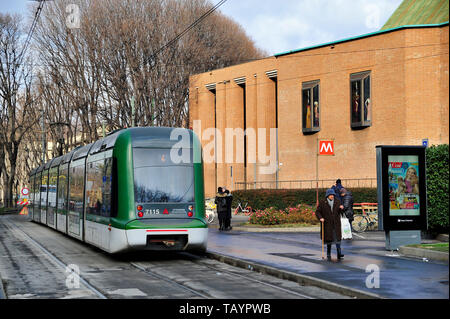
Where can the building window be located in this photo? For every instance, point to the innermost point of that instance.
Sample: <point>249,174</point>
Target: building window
<point>311,107</point>
<point>361,103</point>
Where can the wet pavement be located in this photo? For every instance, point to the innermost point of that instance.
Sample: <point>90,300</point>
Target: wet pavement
<point>367,266</point>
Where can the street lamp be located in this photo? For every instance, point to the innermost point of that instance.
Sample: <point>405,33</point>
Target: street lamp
<point>60,141</point>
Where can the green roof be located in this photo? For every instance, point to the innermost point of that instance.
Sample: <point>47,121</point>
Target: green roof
<point>418,12</point>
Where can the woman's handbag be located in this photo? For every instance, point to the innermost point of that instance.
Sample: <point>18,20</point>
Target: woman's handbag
<point>346,228</point>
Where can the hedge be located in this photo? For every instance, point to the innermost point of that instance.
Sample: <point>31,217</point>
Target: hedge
<point>437,187</point>
<point>284,198</point>
<point>437,158</point>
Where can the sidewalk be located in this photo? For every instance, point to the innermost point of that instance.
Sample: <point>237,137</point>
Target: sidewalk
<point>297,255</point>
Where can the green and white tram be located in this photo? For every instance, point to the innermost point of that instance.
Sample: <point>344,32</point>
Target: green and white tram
<point>136,189</point>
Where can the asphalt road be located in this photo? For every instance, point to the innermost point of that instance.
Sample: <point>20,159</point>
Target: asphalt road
<point>39,262</point>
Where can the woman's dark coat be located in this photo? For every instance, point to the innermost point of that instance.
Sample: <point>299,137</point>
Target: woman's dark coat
<point>332,219</point>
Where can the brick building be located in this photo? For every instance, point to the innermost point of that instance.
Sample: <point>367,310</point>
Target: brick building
<point>385,88</point>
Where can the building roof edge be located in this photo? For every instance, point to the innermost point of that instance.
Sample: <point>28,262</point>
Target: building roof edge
<point>361,37</point>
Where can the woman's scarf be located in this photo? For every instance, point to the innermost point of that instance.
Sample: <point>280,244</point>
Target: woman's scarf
<point>330,202</point>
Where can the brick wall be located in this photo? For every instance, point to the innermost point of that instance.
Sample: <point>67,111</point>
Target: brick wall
<point>409,93</point>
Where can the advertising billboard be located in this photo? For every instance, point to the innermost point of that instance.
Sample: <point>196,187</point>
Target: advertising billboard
<point>404,193</point>
<point>401,183</point>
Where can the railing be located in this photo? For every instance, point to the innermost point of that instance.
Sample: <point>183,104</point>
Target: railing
<point>364,208</point>
<point>307,184</point>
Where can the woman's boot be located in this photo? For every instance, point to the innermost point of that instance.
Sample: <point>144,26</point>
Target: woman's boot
<point>329,252</point>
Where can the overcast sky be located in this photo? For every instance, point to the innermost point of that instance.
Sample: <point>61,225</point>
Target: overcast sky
<point>277,26</point>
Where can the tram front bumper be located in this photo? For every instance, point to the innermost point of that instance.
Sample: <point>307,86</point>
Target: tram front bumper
<point>168,239</point>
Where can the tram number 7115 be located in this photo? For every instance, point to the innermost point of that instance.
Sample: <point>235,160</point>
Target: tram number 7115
<point>152,212</point>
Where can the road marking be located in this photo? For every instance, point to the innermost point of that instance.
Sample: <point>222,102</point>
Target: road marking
<point>359,236</point>
<point>131,292</point>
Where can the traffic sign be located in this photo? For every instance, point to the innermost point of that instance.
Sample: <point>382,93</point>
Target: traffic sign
<point>25,191</point>
<point>326,147</point>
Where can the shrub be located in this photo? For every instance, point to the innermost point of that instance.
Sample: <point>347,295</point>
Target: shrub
<point>437,187</point>
<point>300,214</point>
<point>283,198</point>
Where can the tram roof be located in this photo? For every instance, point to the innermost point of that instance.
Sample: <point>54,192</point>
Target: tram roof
<point>105,143</point>
<point>68,157</point>
<point>157,136</point>
<point>56,161</point>
<point>40,168</point>
<point>82,152</point>
<point>140,137</point>
<point>48,164</point>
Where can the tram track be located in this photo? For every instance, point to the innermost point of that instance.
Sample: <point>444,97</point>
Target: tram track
<point>189,275</point>
<point>169,280</point>
<point>200,261</point>
<point>16,229</point>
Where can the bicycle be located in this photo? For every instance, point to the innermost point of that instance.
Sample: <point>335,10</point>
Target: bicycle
<point>365,221</point>
<point>210,214</point>
<point>240,209</point>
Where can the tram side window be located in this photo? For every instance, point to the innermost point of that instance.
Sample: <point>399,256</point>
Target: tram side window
<point>62,187</point>
<point>76,189</point>
<point>37,194</point>
<point>53,182</point>
<point>98,187</point>
<point>44,187</point>
<point>32,191</point>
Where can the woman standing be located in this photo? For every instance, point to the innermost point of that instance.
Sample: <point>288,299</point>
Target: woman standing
<point>329,213</point>
<point>347,202</point>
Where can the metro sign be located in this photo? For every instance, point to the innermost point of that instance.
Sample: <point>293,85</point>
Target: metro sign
<point>326,147</point>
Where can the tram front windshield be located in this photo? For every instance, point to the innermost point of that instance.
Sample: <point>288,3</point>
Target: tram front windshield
<point>158,179</point>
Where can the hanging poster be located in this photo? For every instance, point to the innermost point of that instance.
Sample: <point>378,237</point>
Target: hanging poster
<point>403,172</point>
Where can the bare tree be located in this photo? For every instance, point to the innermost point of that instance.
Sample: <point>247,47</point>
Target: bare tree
<point>112,60</point>
<point>17,99</point>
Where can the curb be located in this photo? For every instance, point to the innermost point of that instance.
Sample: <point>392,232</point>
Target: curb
<point>274,229</point>
<point>291,276</point>
<point>278,229</point>
<point>423,253</point>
